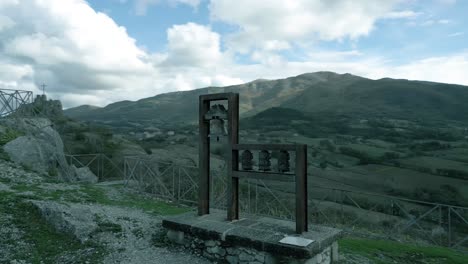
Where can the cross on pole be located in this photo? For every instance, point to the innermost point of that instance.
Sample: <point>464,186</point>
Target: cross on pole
<point>43,88</point>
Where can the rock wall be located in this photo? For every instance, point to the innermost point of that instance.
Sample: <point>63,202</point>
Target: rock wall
<point>218,251</point>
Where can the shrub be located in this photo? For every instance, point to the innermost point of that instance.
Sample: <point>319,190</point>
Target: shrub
<point>9,135</point>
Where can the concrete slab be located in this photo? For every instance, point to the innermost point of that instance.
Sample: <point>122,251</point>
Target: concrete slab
<point>261,233</point>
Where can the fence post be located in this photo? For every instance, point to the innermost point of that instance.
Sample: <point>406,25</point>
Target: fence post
<point>449,227</point>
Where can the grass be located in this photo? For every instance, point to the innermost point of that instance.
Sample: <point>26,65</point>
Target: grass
<point>381,252</point>
<point>97,195</point>
<point>152,206</point>
<point>46,244</point>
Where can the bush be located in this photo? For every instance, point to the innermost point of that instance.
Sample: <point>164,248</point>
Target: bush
<point>9,135</point>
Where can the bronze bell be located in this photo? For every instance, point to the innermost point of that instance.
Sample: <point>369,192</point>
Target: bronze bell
<point>246,159</point>
<point>283,161</point>
<point>217,111</point>
<point>217,129</point>
<point>264,160</point>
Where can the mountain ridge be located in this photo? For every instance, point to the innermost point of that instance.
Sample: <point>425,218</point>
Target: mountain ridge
<point>309,92</point>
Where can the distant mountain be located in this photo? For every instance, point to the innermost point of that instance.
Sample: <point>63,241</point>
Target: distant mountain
<point>81,110</point>
<point>313,93</point>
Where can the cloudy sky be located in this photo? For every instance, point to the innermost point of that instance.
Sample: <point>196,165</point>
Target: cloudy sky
<point>101,51</point>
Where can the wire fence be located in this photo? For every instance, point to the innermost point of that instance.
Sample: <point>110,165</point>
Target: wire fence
<point>13,100</point>
<point>100,164</point>
<point>355,212</point>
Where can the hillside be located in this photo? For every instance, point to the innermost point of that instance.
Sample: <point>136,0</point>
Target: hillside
<point>82,109</point>
<point>319,92</point>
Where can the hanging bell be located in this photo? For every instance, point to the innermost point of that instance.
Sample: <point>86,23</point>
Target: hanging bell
<point>217,129</point>
<point>246,159</point>
<point>283,161</point>
<point>217,111</point>
<point>264,160</point>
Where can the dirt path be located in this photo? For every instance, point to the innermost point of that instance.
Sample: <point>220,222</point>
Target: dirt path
<point>37,214</point>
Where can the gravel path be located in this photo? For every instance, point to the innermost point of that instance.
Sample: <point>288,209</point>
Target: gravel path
<point>130,235</point>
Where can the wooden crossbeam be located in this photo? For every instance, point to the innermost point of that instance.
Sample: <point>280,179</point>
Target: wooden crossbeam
<point>288,147</point>
<point>269,176</point>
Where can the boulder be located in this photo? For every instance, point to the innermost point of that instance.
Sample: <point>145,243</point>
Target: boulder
<point>31,152</point>
<point>84,174</point>
<point>41,147</point>
<point>77,220</point>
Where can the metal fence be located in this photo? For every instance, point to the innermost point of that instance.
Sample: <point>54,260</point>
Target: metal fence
<point>12,100</point>
<point>101,165</point>
<point>391,217</point>
<point>355,212</point>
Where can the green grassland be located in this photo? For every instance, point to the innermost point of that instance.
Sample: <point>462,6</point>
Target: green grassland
<point>384,251</point>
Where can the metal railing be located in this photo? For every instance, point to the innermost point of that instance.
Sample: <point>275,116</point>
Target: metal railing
<point>391,217</point>
<point>12,100</point>
<point>100,164</point>
<point>353,211</point>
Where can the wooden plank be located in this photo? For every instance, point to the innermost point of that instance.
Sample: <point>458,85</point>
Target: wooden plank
<point>216,96</point>
<point>301,189</point>
<point>268,176</point>
<point>288,147</point>
<point>203,159</point>
<point>232,159</point>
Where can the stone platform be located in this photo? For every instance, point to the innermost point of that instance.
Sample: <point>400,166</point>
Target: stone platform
<point>251,239</point>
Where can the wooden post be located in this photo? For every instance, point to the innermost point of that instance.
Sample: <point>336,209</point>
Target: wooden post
<point>232,162</point>
<point>204,159</point>
<point>301,189</point>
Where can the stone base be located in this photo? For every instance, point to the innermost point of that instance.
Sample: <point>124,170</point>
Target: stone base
<point>251,240</point>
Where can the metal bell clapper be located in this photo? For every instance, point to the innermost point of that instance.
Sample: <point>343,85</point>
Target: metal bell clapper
<point>217,129</point>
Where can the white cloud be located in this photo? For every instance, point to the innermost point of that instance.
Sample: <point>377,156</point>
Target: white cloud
<point>456,34</point>
<point>6,22</point>
<point>84,55</point>
<point>446,69</point>
<point>61,41</point>
<point>192,3</point>
<point>141,6</point>
<point>193,45</point>
<point>447,2</point>
<point>334,55</point>
<point>290,21</point>
<point>402,14</point>
<point>86,58</point>
<point>431,22</point>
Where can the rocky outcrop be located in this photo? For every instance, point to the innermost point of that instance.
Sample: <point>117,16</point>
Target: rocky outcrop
<point>40,149</point>
<point>41,107</point>
<point>32,152</point>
